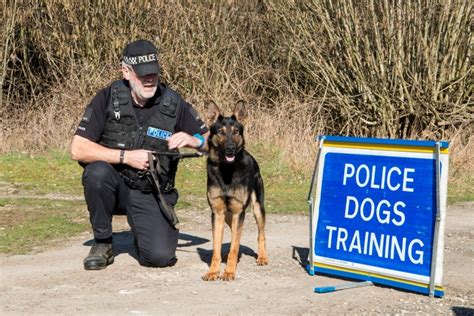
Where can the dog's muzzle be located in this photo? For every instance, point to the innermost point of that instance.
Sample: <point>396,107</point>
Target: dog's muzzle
<point>230,153</point>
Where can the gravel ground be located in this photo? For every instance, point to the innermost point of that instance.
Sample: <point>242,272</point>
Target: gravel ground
<point>54,282</point>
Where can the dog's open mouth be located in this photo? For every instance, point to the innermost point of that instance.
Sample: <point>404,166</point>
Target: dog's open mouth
<point>229,158</point>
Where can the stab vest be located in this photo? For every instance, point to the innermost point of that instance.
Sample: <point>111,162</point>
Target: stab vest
<point>123,131</point>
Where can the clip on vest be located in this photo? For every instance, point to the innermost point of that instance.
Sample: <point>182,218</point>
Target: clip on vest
<point>116,103</point>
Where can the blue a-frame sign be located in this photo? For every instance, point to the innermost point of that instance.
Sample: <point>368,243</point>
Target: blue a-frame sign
<point>377,211</point>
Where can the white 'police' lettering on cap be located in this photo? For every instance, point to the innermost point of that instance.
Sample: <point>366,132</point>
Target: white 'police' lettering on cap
<point>135,60</point>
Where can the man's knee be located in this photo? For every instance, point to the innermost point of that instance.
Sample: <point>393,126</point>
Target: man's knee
<point>97,174</point>
<point>158,259</point>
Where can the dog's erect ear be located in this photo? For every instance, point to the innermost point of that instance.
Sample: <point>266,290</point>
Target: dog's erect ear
<point>213,112</point>
<point>240,112</point>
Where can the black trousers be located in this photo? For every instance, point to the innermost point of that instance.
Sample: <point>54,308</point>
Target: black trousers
<point>106,195</point>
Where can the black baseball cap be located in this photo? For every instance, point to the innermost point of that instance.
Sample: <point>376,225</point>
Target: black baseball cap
<point>142,55</point>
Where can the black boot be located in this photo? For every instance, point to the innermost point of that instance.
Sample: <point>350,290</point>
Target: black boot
<point>99,257</point>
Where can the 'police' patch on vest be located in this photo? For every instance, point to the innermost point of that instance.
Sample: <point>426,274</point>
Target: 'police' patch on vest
<point>158,133</point>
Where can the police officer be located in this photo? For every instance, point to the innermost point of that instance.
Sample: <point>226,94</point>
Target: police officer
<point>120,126</point>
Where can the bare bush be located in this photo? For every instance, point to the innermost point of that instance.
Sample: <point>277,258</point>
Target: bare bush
<point>387,69</point>
<point>360,68</point>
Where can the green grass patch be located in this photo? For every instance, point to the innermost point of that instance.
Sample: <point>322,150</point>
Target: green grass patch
<point>286,189</point>
<point>191,181</point>
<point>460,189</point>
<point>38,233</point>
<point>33,223</point>
<point>54,172</point>
<point>17,211</point>
<point>29,221</point>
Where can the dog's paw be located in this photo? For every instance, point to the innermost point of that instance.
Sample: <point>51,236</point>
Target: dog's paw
<point>228,276</point>
<point>211,276</point>
<point>262,261</point>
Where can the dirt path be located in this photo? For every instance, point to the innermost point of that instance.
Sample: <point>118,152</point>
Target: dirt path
<point>54,282</point>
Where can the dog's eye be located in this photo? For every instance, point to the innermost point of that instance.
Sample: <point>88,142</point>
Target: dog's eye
<point>220,132</point>
<point>236,132</point>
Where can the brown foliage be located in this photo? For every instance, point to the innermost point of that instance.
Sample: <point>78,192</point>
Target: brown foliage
<point>361,68</point>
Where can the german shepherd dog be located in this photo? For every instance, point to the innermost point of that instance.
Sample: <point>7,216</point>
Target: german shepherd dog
<point>233,182</point>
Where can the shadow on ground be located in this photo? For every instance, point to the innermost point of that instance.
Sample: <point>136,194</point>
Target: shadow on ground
<point>206,254</point>
<point>462,311</point>
<point>301,255</point>
<point>123,242</point>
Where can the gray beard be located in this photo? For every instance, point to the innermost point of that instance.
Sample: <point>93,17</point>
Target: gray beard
<point>142,95</point>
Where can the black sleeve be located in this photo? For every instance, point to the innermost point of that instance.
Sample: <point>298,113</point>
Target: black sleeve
<point>93,121</point>
<point>188,120</point>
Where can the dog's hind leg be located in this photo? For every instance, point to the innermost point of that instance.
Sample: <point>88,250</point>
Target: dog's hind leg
<point>237,223</point>
<point>258,210</point>
<point>218,218</point>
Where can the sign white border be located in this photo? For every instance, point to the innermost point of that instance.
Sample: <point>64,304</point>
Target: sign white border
<point>364,149</point>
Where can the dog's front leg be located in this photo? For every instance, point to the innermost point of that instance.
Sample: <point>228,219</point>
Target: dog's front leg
<point>236,232</point>
<point>259,214</point>
<point>218,218</point>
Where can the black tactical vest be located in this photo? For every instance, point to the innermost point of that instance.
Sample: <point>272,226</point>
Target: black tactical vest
<point>123,131</point>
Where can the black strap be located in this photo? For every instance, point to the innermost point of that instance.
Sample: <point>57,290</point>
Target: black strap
<point>116,102</point>
<point>178,155</point>
<point>169,211</point>
<point>120,97</point>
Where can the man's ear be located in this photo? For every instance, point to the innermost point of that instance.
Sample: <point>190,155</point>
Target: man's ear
<point>240,112</point>
<point>126,73</point>
<point>213,112</point>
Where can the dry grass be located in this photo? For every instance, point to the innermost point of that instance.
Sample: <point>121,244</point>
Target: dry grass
<point>461,173</point>
<point>385,69</point>
<point>360,68</point>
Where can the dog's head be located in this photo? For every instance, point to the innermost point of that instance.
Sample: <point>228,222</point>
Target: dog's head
<point>226,139</point>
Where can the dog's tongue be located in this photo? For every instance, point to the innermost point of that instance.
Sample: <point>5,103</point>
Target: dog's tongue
<point>229,158</point>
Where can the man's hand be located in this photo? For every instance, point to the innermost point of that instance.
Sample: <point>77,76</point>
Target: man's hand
<point>182,139</point>
<point>137,159</point>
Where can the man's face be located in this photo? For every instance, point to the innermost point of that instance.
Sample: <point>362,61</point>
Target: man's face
<point>143,87</point>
